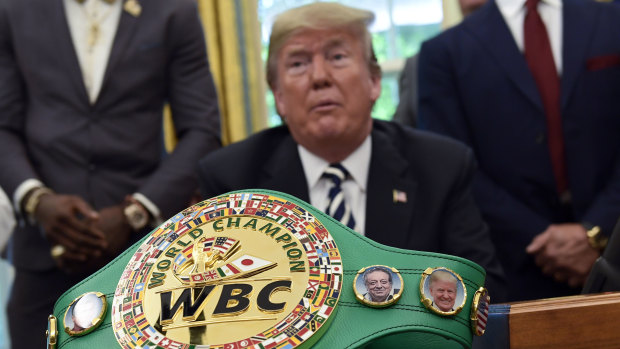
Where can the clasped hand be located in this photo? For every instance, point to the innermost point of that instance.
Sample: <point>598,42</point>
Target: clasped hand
<point>90,238</point>
<point>562,251</point>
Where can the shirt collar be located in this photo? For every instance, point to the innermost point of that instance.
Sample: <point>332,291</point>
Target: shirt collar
<point>108,1</point>
<point>511,7</point>
<point>357,163</point>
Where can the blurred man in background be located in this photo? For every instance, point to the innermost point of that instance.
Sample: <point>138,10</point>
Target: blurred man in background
<point>82,87</point>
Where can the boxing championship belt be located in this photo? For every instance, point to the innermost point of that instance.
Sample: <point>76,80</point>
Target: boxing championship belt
<point>263,269</point>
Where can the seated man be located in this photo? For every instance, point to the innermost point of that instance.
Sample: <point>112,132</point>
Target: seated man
<point>395,185</point>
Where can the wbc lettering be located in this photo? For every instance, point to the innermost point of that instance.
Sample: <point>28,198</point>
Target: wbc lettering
<point>234,299</point>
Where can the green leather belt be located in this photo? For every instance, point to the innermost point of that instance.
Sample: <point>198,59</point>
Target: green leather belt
<point>411,322</point>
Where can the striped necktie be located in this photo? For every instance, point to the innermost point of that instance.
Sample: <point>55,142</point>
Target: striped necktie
<point>337,206</point>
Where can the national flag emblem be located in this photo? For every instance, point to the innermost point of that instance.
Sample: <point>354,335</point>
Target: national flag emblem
<point>137,310</point>
<point>482,311</point>
<point>180,259</point>
<point>257,339</point>
<point>247,263</point>
<point>307,216</point>
<point>210,275</point>
<point>325,311</point>
<point>163,245</point>
<point>336,282</point>
<point>399,196</point>
<point>333,253</point>
<point>177,217</point>
<point>312,285</point>
<point>224,271</point>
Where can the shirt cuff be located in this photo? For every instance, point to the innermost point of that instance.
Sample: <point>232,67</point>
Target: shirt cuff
<point>151,207</point>
<point>22,190</point>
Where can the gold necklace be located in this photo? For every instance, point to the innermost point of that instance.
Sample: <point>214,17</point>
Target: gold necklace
<point>94,21</point>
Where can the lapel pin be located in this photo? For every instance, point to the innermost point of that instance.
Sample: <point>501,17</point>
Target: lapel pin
<point>399,196</point>
<point>133,7</point>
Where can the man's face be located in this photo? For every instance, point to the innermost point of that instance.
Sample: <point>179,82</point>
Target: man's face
<point>324,89</point>
<point>378,285</point>
<point>444,294</point>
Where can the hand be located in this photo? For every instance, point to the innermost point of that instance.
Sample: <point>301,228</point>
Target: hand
<point>113,224</point>
<point>563,252</point>
<point>67,220</point>
<point>115,230</point>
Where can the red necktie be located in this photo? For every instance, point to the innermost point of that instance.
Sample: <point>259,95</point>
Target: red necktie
<point>539,58</point>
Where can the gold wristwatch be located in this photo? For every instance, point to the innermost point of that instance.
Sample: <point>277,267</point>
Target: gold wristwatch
<point>596,239</point>
<point>33,199</point>
<point>137,216</point>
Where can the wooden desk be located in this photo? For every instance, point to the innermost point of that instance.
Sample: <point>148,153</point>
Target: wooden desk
<point>585,321</point>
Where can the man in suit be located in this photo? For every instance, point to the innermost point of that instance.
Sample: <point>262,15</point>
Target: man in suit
<point>546,140</point>
<point>82,86</point>
<point>401,187</point>
<point>407,110</point>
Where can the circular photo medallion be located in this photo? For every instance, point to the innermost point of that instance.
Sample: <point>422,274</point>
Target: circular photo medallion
<point>442,291</point>
<point>480,311</point>
<point>85,313</point>
<point>378,286</point>
<point>235,271</point>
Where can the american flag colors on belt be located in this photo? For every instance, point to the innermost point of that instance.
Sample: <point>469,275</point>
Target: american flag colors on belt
<point>480,311</point>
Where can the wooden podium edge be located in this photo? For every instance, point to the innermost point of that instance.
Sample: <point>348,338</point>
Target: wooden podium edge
<point>584,321</point>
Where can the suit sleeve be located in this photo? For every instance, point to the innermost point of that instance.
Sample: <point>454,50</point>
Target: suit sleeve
<point>406,112</point>
<point>209,185</point>
<point>466,233</point>
<point>442,111</point>
<point>13,154</point>
<point>605,210</point>
<point>193,100</point>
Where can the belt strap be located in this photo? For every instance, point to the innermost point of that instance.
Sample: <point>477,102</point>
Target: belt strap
<point>408,323</point>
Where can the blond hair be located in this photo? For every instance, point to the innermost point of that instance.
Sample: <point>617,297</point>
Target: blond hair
<point>320,15</point>
<point>443,275</point>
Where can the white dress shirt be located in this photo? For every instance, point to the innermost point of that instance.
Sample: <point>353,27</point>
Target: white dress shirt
<point>93,56</point>
<point>354,188</point>
<point>7,220</point>
<point>550,11</point>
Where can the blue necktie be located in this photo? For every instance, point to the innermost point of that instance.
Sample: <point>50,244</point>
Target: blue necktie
<point>337,207</point>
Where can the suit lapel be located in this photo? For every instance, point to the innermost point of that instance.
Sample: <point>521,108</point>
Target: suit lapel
<point>388,220</point>
<point>489,27</point>
<point>124,33</point>
<point>284,172</point>
<point>66,48</point>
<point>578,28</point>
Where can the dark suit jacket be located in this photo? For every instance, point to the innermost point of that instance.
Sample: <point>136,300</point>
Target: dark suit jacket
<point>475,86</point>
<point>407,110</point>
<point>49,130</point>
<point>434,172</point>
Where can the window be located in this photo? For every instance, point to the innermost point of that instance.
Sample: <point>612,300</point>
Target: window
<point>399,29</point>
